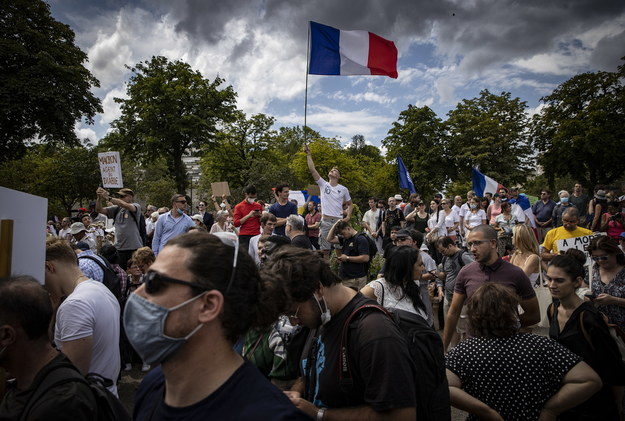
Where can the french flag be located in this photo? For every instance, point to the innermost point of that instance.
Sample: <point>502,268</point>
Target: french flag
<point>483,183</point>
<point>337,52</point>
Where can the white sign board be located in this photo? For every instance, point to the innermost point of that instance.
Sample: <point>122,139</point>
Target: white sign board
<point>111,169</point>
<point>579,243</point>
<point>29,215</point>
<point>298,196</point>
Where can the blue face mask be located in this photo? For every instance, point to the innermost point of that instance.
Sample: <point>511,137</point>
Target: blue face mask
<point>144,322</point>
<point>473,206</point>
<point>564,199</point>
<point>180,211</point>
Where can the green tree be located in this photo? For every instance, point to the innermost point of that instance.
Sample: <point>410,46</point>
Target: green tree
<point>44,87</point>
<point>151,183</point>
<point>246,154</point>
<point>66,176</point>
<point>580,131</point>
<point>418,136</point>
<point>171,111</point>
<point>490,132</point>
<point>358,147</point>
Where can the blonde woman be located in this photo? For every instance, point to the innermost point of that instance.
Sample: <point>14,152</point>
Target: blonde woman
<point>525,253</point>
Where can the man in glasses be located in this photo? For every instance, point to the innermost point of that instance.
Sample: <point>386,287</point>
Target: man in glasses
<point>200,295</point>
<point>87,321</point>
<point>172,223</point>
<point>125,215</point>
<point>489,267</point>
<point>569,229</point>
<point>379,362</point>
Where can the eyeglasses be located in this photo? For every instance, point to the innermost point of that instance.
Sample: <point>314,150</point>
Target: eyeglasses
<point>181,201</point>
<point>600,258</point>
<point>230,239</point>
<point>154,282</point>
<point>476,243</point>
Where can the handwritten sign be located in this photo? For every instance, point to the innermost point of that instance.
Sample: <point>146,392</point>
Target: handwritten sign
<point>111,169</point>
<point>313,190</point>
<point>579,243</point>
<point>220,188</point>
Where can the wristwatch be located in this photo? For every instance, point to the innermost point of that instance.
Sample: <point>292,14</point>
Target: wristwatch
<point>347,259</point>
<point>320,414</point>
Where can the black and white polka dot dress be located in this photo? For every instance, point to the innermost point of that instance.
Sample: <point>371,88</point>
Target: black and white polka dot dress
<point>515,375</point>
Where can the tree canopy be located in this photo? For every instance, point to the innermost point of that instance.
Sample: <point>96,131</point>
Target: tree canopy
<point>170,111</point>
<point>44,87</point>
<point>580,131</point>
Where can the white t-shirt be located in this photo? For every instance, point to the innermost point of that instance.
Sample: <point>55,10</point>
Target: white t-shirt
<point>463,210</point>
<point>394,297</point>
<point>371,217</point>
<point>475,219</point>
<point>92,310</point>
<point>332,198</point>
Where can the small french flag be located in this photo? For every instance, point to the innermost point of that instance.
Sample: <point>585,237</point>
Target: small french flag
<point>337,52</point>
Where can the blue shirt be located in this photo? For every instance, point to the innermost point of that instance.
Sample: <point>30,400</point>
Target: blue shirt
<point>282,211</point>
<point>542,211</point>
<point>168,227</point>
<point>89,267</point>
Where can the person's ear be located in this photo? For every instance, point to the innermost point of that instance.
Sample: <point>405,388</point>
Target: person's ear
<point>8,335</point>
<point>49,266</point>
<point>212,306</point>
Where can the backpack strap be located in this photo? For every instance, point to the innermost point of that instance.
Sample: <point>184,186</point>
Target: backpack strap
<point>585,332</point>
<point>103,266</point>
<point>345,376</point>
<point>59,375</point>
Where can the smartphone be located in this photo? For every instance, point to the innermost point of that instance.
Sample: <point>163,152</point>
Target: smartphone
<point>591,296</point>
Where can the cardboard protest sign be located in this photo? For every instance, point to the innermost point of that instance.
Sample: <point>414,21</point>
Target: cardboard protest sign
<point>579,243</point>
<point>220,188</point>
<point>110,169</point>
<point>313,190</point>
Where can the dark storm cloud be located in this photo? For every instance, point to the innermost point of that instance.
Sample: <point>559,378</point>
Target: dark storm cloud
<point>608,53</point>
<point>481,32</point>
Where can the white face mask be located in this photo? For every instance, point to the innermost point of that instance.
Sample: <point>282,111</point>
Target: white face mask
<point>326,316</point>
<point>250,200</point>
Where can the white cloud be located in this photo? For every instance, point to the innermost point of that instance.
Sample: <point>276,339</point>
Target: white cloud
<point>83,133</point>
<point>111,108</point>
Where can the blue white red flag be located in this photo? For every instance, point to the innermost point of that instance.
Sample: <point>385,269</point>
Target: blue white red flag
<point>483,183</point>
<point>337,52</point>
<point>405,181</point>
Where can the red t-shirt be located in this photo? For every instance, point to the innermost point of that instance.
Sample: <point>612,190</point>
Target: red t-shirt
<point>252,225</point>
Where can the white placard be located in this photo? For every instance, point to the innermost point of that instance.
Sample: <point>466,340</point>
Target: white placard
<point>299,197</point>
<point>28,213</point>
<point>111,169</point>
<point>579,243</point>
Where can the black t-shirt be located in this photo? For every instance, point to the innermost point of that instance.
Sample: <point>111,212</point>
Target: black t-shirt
<point>301,241</point>
<point>381,367</point>
<point>393,218</point>
<point>354,246</point>
<point>71,401</point>
<point>246,395</point>
<point>605,359</point>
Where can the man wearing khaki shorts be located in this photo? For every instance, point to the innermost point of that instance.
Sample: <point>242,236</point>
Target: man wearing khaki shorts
<point>333,197</point>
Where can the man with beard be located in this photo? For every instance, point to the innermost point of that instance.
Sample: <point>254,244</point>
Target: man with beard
<point>569,229</point>
<point>489,267</point>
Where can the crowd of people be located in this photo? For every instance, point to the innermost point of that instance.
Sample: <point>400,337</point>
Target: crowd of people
<point>237,313</point>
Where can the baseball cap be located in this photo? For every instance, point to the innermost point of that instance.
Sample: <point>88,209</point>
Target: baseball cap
<point>82,245</point>
<point>125,192</point>
<point>403,233</point>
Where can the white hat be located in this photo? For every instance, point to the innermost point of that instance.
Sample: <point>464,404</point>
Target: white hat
<point>398,197</point>
<point>77,227</point>
<point>197,217</point>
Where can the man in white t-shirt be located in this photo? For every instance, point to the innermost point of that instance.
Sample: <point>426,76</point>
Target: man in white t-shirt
<point>333,197</point>
<point>371,219</point>
<point>87,321</point>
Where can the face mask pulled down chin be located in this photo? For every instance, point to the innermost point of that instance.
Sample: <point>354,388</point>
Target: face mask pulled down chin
<point>144,322</point>
<point>326,316</point>
<point>250,200</point>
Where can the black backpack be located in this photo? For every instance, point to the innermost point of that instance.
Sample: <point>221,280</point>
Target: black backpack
<point>373,248</point>
<point>426,351</point>
<point>109,408</point>
<point>110,278</point>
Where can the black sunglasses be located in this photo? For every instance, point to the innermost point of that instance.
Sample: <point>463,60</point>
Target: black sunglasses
<point>154,282</point>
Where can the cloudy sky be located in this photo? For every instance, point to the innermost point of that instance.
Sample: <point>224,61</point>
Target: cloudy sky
<point>448,50</point>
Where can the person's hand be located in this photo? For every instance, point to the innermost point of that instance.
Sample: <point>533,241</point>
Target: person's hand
<point>342,258</point>
<point>252,214</point>
<point>605,299</point>
<point>102,193</point>
<point>547,415</point>
<point>213,197</point>
<point>440,298</point>
<point>374,234</point>
<point>302,404</point>
<point>306,149</point>
<point>346,219</point>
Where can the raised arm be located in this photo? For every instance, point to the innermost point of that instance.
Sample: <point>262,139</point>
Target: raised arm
<point>311,164</point>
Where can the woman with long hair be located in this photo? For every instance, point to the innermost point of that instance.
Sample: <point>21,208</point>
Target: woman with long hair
<point>475,216</point>
<point>313,220</point>
<point>525,254</point>
<point>399,289</point>
<point>502,374</point>
<point>450,220</point>
<point>494,209</point>
<point>608,278</point>
<point>596,208</point>
<point>579,326</point>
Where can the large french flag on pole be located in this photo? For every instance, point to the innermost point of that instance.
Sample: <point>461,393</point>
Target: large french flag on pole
<point>337,52</point>
<point>483,183</point>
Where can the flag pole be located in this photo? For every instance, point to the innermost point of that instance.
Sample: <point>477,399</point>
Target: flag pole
<point>306,89</point>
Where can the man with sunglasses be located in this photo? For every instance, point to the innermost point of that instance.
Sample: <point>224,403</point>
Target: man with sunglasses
<point>381,372</point>
<point>199,296</point>
<point>489,267</point>
<point>125,215</point>
<point>171,224</point>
